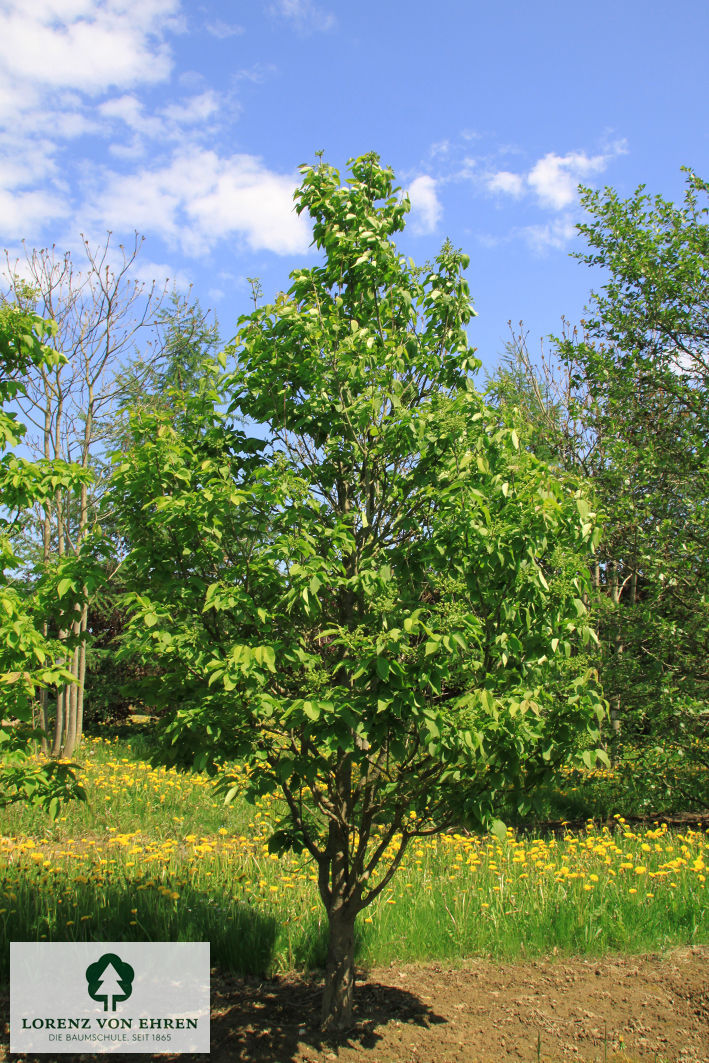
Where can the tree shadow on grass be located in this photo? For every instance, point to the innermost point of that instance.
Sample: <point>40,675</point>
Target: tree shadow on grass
<point>242,939</point>
<point>253,1017</point>
<point>256,1020</point>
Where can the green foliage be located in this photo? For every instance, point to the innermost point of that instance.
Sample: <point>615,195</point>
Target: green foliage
<point>184,340</point>
<point>641,380</point>
<point>29,660</point>
<point>365,605</point>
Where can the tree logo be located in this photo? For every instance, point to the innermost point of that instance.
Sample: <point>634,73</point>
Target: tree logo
<point>110,980</point>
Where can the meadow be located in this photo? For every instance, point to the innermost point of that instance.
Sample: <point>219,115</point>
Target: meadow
<point>153,855</point>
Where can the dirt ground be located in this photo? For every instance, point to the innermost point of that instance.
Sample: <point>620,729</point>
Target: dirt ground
<point>653,1008</point>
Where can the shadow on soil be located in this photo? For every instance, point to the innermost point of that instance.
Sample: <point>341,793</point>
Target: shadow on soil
<point>269,1021</point>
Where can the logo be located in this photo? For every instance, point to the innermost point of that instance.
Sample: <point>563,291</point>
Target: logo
<point>110,980</point>
<point>110,996</point>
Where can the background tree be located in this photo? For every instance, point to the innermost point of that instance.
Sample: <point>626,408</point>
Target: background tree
<point>29,661</point>
<point>372,604</point>
<point>121,344</point>
<point>184,338</point>
<point>645,361</point>
<point>558,419</point>
<point>626,405</point>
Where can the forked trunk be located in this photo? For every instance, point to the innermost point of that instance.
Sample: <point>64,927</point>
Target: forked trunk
<point>338,994</point>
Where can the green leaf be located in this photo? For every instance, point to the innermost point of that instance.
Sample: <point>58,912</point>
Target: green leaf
<point>382,666</point>
<point>311,710</point>
<point>499,830</point>
<point>603,757</point>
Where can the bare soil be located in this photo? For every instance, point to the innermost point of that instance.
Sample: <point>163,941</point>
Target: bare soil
<point>638,1008</point>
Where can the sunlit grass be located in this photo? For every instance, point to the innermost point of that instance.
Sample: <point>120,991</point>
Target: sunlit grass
<point>643,781</point>
<point>155,857</point>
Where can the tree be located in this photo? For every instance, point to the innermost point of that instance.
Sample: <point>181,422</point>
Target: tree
<point>551,413</point>
<point>373,604</point>
<point>644,362</point>
<point>100,315</point>
<point>29,661</point>
<point>557,417</point>
<point>184,337</point>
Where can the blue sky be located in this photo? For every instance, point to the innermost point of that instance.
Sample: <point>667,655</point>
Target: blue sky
<point>187,122</point>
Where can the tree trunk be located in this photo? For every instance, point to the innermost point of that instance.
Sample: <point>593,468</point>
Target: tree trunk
<point>81,676</point>
<point>59,723</point>
<point>71,710</point>
<point>338,994</point>
<point>616,591</point>
<point>43,721</point>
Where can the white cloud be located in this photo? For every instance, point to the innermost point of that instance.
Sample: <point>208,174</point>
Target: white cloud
<point>512,184</point>
<point>222,30</point>
<point>85,44</point>
<point>198,199</point>
<point>305,15</point>
<point>149,272</point>
<point>426,208</point>
<point>189,116</point>
<point>196,109</point>
<point>75,67</point>
<point>129,110</point>
<point>26,213</point>
<point>554,178</point>
<point>555,235</point>
<point>56,58</point>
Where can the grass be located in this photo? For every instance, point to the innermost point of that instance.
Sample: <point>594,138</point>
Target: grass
<point>153,856</point>
<point>643,781</point>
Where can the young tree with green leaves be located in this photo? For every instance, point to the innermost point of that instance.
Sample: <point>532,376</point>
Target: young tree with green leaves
<point>643,365</point>
<point>29,661</point>
<point>123,343</point>
<point>375,604</point>
<point>102,315</point>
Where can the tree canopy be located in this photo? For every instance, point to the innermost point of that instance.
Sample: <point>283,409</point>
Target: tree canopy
<point>376,604</point>
<point>644,365</point>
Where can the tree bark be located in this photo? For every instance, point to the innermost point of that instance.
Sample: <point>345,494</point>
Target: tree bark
<point>71,712</point>
<point>81,675</point>
<point>616,591</point>
<point>338,993</point>
<point>59,723</point>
